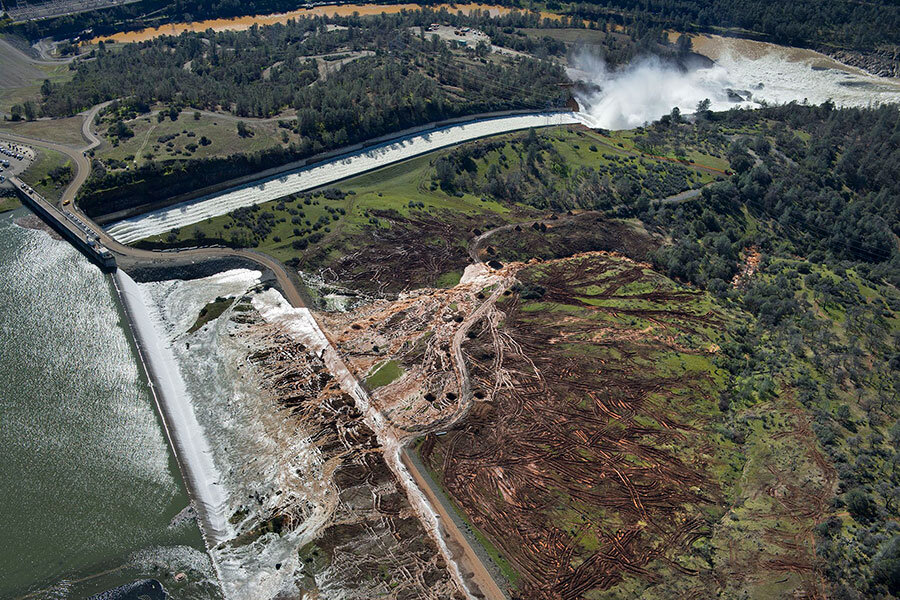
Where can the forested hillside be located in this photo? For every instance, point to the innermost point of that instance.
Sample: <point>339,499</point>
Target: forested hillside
<point>265,70</point>
<point>804,237</point>
<point>393,79</point>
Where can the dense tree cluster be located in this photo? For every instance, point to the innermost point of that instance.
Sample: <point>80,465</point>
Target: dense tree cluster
<point>265,70</point>
<point>833,196</point>
<point>858,25</point>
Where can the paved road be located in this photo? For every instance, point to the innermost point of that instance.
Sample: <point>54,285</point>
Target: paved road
<point>44,61</point>
<point>468,558</point>
<point>134,255</point>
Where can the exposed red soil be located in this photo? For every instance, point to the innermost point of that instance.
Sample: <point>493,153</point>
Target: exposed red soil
<point>578,467</point>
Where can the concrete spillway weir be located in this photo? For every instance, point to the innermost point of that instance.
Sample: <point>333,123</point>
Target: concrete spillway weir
<point>69,226</point>
<point>185,434</point>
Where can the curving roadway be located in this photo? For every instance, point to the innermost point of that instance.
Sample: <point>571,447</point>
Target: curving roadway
<point>134,256</point>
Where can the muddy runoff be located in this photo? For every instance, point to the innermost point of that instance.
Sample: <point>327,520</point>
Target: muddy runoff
<point>313,504</point>
<point>318,501</point>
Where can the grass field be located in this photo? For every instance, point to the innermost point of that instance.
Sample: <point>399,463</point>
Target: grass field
<point>384,374</point>
<point>9,203</point>
<point>181,139</point>
<point>37,175</point>
<point>21,78</point>
<point>64,131</point>
<point>211,312</point>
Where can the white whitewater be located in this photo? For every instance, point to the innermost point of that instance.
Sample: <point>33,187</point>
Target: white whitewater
<point>228,440</point>
<point>307,178</point>
<point>266,462</point>
<point>649,88</point>
<point>185,434</point>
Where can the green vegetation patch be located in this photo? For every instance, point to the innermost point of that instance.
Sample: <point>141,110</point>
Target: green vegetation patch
<point>418,216</point>
<point>135,140</point>
<point>21,79</point>
<point>65,131</point>
<point>211,312</point>
<point>8,203</point>
<point>384,374</point>
<point>49,174</point>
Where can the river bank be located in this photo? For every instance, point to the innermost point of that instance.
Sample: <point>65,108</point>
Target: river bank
<point>334,10</point>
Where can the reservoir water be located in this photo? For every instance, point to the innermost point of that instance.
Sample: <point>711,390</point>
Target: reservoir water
<point>90,496</point>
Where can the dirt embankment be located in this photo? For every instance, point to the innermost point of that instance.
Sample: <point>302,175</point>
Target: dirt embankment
<point>366,540</point>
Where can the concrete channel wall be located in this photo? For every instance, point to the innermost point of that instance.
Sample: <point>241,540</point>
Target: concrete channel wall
<point>326,173</point>
<point>106,219</point>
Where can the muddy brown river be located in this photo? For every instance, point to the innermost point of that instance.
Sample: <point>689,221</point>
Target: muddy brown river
<point>343,10</point>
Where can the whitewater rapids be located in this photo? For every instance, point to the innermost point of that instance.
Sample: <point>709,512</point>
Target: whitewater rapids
<point>745,74</point>
<point>188,439</point>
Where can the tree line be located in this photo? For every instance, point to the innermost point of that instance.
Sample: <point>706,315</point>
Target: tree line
<point>854,25</point>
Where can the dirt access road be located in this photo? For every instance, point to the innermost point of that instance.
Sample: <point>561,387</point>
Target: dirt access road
<point>473,570</point>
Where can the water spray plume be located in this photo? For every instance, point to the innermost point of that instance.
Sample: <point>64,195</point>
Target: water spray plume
<point>650,87</point>
<point>647,89</point>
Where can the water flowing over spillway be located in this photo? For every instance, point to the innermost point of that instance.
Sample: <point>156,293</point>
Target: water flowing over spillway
<point>228,434</point>
<point>627,98</point>
<point>188,439</point>
<point>165,219</point>
<point>275,420</point>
